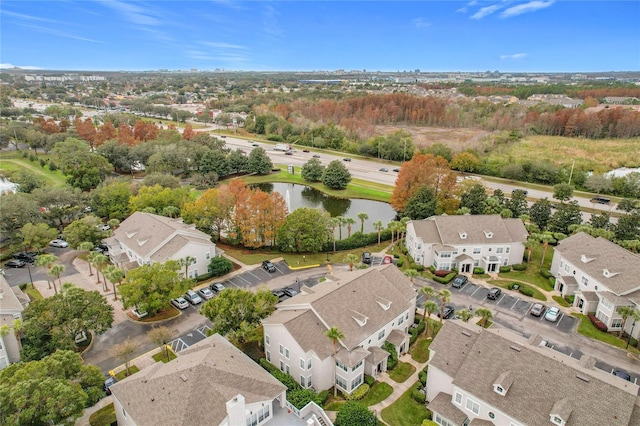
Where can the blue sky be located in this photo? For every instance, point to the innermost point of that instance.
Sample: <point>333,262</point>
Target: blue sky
<point>477,35</point>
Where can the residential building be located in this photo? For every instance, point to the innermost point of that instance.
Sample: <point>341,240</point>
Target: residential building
<point>211,382</point>
<point>12,303</point>
<point>369,306</point>
<point>481,377</point>
<point>601,275</point>
<point>466,242</point>
<point>145,238</point>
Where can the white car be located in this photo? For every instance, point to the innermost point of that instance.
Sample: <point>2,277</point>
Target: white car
<point>180,303</point>
<point>205,293</point>
<point>104,227</point>
<point>59,243</point>
<point>552,314</point>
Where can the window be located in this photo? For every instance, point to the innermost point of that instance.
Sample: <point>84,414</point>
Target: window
<point>476,250</point>
<point>557,420</point>
<point>309,381</point>
<point>585,280</point>
<point>473,406</point>
<point>303,381</point>
<point>281,349</point>
<point>356,382</point>
<point>499,250</point>
<point>442,421</point>
<point>207,255</point>
<point>616,323</point>
<point>400,320</point>
<point>286,369</point>
<point>309,364</point>
<point>606,304</point>
<point>268,356</point>
<point>457,398</point>
<point>267,339</point>
<point>355,367</point>
<point>281,366</point>
<point>603,317</point>
<point>508,250</point>
<point>381,334</point>
<point>341,382</point>
<point>302,364</point>
<point>341,366</point>
<point>286,353</point>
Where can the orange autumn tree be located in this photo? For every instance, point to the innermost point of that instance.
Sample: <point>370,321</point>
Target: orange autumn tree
<point>143,132</point>
<point>430,171</point>
<point>188,132</point>
<point>211,212</point>
<point>105,132</point>
<point>85,130</point>
<point>259,217</point>
<point>125,135</point>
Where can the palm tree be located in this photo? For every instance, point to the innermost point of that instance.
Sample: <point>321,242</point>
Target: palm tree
<point>333,223</point>
<point>115,275</point>
<point>335,335</point>
<point>464,314</point>
<point>429,307</point>
<point>444,295</point>
<point>412,273</point>
<point>87,246</point>
<point>47,260</point>
<point>392,226</point>
<point>93,259</point>
<point>349,221</point>
<point>341,222</point>
<point>484,314</point>
<point>546,239</point>
<point>403,226</point>
<point>428,293</point>
<point>378,226</point>
<point>529,245</point>
<point>351,259</point>
<point>362,216</point>
<point>57,270</point>
<point>186,262</point>
<point>625,312</point>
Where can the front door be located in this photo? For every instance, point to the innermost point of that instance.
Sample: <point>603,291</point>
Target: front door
<point>492,267</point>
<point>466,267</point>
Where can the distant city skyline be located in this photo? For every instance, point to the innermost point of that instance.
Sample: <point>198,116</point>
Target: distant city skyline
<point>432,36</point>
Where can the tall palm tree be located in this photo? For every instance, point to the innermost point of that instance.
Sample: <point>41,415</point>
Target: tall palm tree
<point>464,314</point>
<point>429,307</point>
<point>625,312</point>
<point>87,246</point>
<point>362,216</point>
<point>428,293</point>
<point>392,226</point>
<point>47,260</point>
<point>484,314</point>
<point>403,226</point>
<point>349,221</point>
<point>57,270</point>
<point>378,226</point>
<point>102,260</point>
<point>412,273</point>
<point>341,222</point>
<point>444,295</point>
<point>333,223</point>
<point>529,245</point>
<point>546,239</point>
<point>335,334</point>
<point>186,262</point>
<point>115,275</point>
<point>351,259</point>
<point>93,260</point>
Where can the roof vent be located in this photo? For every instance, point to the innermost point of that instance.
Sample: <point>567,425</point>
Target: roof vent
<point>585,259</point>
<point>466,333</point>
<point>183,377</point>
<point>516,348</point>
<point>607,273</point>
<point>583,378</point>
<point>463,235</point>
<point>488,234</point>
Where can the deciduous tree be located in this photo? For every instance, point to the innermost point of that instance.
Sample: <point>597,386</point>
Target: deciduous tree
<point>234,306</point>
<point>336,175</point>
<point>304,231</point>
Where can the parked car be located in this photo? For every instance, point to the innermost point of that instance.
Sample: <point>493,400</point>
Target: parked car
<point>26,256</point>
<point>366,257</point>
<point>622,374</point>
<point>59,243</point>
<point>552,314</point>
<point>180,303</point>
<point>290,291</point>
<point>537,309</point>
<point>15,263</point>
<point>103,227</point>
<point>101,248</point>
<point>386,260</point>
<point>255,144</point>
<point>206,293</point>
<point>217,287</point>
<point>268,266</point>
<point>459,281</point>
<point>192,297</point>
<point>383,169</point>
<point>448,312</point>
<point>280,295</point>
<point>109,381</point>
<point>494,293</point>
<point>346,159</point>
<point>223,136</point>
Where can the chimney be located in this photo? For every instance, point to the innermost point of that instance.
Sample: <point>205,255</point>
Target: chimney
<point>236,410</point>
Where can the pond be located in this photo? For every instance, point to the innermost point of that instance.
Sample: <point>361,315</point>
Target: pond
<point>298,196</point>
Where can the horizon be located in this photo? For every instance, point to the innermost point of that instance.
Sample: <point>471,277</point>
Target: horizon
<point>512,36</point>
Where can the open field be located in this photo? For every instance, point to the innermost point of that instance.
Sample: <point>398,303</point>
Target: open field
<point>458,139</point>
<point>11,162</point>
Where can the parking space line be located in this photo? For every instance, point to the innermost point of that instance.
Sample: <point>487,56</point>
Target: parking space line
<point>475,291</point>
<point>243,279</point>
<point>514,305</point>
<point>560,319</point>
<point>501,299</point>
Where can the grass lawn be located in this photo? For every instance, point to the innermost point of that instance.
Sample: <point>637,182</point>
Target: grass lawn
<point>160,356</point>
<point>529,277</point>
<point>405,411</point>
<point>505,284</point>
<point>486,325</point>
<point>104,416</point>
<point>166,313</point>
<point>561,301</point>
<point>587,329</point>
<point>132,370</point>
<point>402,372</point>
<point>33,293</point>
<point>13,161</point>
<point>420,349</point>
<point>378,393</point>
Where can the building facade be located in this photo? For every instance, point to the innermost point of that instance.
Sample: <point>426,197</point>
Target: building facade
<point>466,242</point>
<point>12,303</point>
<point>370,307</point>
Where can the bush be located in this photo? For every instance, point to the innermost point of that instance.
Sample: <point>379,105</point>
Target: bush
<point>527,291</point>
<point>360,392</point>
<point>432,269</point>
<point>396,255</point>
<point>285,379</point>
<point>545,273</point>
<point>446,279</point>
<point>414,335</point>
<point>504,269</point>
<point>421,326</point>
<point>220,266</point>
<point>392,362</point>
<point>399,263</point>
<point>204,277</point>
<point>478,271</point>
<point>52,166</point>
<point>323,396</point>
<point>370,380</point>
<point>419,268</point>
<point>570,299</point>
<point>423,378</point>
<point>597,323</point>
<point>519,267</point>
<point>441,273</point>
<point>418,396</point>
<point>358,239</point>
<point>23,286</point>
<point>301,397</point>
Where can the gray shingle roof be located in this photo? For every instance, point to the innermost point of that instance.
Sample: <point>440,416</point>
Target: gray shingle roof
<point>623,266</point>
<point>442,404</point>
<point>9,301</point>
<point>448,229</point>
<point>541,378</point>
<point>193,389</point>
<point>353,295</point>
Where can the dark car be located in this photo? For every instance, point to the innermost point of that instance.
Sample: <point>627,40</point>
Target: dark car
<point>268,266</point>
<point>305,150</point>
<point>290,291</point>
<point>110,381</point>
<point>494,293</point>
<point>26,256</point>
<point>396,170</point>
<point>384,169</point>
<point>366,257</point>
<point>15,263</point>
<point>459,281</point>
<point>448,312</point>
<point>217,287</point>
<point>346,159</point>
<point>316,156</point>
<point>101,248</point>
<point>622,374</point>
<point>279,294</point>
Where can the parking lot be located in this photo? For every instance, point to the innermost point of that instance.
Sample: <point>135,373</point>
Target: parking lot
<point>257,276</point>
<point>190,338</point>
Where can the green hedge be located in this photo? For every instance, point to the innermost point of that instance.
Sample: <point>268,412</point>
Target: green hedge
<point>358,239</point>
<point>323,396</point>
<point>423,377</point>
<point>445,280</point>
<point>220,266</point>
<point>392,362</point>
<point>478,271</point>
<point>504,269</point>
<point>360,392</point>
<point>545,273</point>
<point>399,263</point>
<point>418,396</point>
<point>519,267</point>
<point>527,291</point>
<point>301,397</point>
<point>370,380</point>
<point>284,378</point>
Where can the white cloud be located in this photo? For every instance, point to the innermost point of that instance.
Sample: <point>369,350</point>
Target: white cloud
<point>24,67</point>
<point>531,6</point>
<point>27,17</point>
<point>420,23</point>
<point>485,11</point>
<point>223,45</point>
<point>514,56</point>
<point>132,13</point>
<point>466,7</point>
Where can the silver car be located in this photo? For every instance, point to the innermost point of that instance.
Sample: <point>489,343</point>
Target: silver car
<point>552,314</point>
<point>192,297</point>
<point>180,303</point>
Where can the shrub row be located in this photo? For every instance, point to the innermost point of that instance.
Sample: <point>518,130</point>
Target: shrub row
<point>370,380</point>
<point>417,395</point>
<point>358,239</point>
<point>504,269</point>
<point>519,267</point>
<point>597,323</point>
<point>441,273</point>
<point>416,331</point>
<point>527,291</point>
<point>360,392</point>
<point>392,362</point>
<point>478,271</point>
<point>445,280</point>
<point>545,273</point>
<point>301,397</point>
